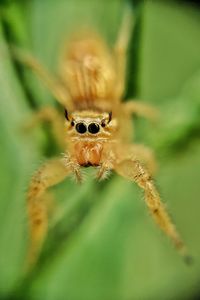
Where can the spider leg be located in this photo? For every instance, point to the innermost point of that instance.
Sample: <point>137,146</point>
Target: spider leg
<point>50,174</point>
<point>72,164</point>
<point>145,155</point>
<point>142,109</point>
<point>133,152</point>
<point>134,171</point>
<point>104,169</point>
<point>58,90</point>
<point>120,49</point>
<point>51,115</point>
<point>106,164</point>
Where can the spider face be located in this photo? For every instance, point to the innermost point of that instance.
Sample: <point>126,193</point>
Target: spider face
<point>84,125</point>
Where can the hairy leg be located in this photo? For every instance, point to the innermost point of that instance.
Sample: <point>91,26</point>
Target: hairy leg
<point>104,169</point>
<point>51,115</point>
<point>51,173</point>
<point>120,49</point>
<point>141,109</point>
<point>58,90</point>
<point>134,171</point>
<point>71,163</point>
<point>144,154</point>
<point>133,152</point>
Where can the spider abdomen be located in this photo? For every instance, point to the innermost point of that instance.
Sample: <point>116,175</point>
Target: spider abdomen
<point>89,71</point>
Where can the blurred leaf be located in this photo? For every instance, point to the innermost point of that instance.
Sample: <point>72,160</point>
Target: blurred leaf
<point>170,49</point>
<point>17,155</point>
<point>106,246</point>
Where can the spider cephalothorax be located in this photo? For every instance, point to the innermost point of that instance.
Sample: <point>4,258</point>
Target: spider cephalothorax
<point>87,132</point>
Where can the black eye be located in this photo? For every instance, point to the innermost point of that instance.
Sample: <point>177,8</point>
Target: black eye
<point>103,124</point>
<point>66,115</point>
<point>93,128</point>
<point>72,123</point>
<point>81,128</point>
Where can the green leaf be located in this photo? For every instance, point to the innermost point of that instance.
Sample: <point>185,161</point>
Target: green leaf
<point>17,157</point>
<point>102,242</point>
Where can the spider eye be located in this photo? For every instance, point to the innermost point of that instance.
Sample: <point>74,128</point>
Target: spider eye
<point>93,128</point>
<point>66,115</point>
<point>103,124</point>
<point>81,128</point>
<point>72,123</point>
<point>110,116</point>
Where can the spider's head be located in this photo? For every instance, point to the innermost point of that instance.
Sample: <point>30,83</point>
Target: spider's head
<point>90,125</point>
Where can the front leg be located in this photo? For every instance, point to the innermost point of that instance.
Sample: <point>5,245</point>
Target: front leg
<point>106,165</point>
<point>72,164</point>
<point>51,173</point>
<point>134,171</point>
<point>104,170</point>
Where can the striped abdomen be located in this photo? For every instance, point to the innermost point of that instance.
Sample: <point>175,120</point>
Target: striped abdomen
<point>89,72</point>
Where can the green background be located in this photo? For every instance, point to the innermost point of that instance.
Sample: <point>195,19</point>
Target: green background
<point>102,242</point>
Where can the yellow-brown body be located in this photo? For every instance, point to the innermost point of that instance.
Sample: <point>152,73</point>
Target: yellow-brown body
<point>98,129</point>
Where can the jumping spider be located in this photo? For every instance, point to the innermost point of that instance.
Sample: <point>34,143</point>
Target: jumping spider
<point>97,131</point>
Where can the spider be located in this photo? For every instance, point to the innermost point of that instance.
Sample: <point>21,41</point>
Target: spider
<point>96,130</point>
